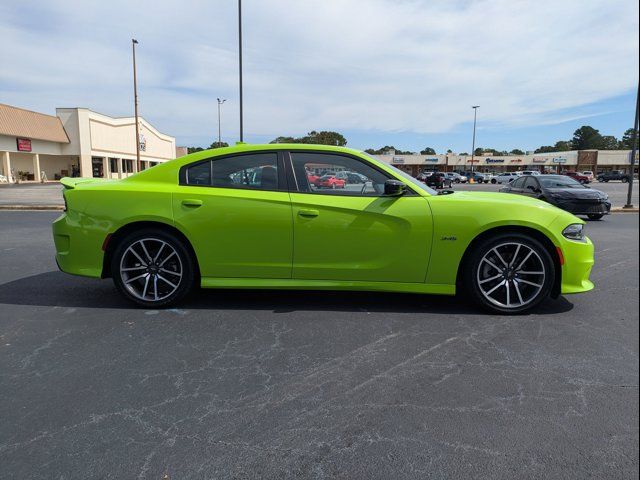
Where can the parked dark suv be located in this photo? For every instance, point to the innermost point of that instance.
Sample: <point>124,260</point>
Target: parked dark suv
<point>613,175</point>
<point>438,180</point>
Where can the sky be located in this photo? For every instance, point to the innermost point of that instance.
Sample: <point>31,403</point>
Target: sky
<point>381,72</point>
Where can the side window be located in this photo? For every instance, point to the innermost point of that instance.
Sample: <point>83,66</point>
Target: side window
<point>257,171</point>
<point>518,182</point>
<point>254,171</point>
<point>199,174</point>
<point>530,183</point>
<point>336,175</point>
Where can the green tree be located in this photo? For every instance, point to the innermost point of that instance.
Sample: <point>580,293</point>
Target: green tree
<point>516,151</point>
<point>627,139</point>
<point>586,138</point>
<point>478,151</point>
<point>609,142</point>
<point>194,149</point>
<point>316,138</point>
<point>545,149</point>
<point>449,151</point>
<point>218,145</point>
<point>428,151</point>
<point>563,145</point>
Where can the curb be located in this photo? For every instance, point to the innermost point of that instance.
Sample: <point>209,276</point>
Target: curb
<point>32,207</point>
<point>624,210</point>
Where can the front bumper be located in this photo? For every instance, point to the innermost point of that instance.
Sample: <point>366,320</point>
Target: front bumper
<point>578,262</point>
<point>583,207</point>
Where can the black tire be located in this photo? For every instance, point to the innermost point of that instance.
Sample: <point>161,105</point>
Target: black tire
<point>595,216</point>
<point>625,180</point>
<point>154,238</point>
<point>474,262</point>
<point>493,180</point>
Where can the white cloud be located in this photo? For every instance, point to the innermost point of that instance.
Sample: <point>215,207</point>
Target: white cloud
<point>377,65</point>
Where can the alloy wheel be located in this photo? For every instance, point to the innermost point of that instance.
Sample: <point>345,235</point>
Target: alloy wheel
<point>511,275</point>
<point>151,269</point>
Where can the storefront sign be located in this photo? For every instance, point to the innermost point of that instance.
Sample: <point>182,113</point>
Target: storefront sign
<point>143,143</point>
<point>473,161</point>
<point>559,160</point>
<point>516,160</point>
<point>494,160</point>
<point>432,160</point>
<point>539,160</point>
<point>397,160</point>
<point>24,144</point>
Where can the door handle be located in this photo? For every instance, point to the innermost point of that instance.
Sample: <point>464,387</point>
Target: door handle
<point>308,213</point>
<point>190,202</point>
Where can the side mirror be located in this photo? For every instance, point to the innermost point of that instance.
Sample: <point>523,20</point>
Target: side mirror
<point>394,188</point>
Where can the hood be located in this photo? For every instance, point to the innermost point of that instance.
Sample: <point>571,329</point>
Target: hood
<point>72,182</point>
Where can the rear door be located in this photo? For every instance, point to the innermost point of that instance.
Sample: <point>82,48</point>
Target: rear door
<point>236,212</point>
<point>356,233</point>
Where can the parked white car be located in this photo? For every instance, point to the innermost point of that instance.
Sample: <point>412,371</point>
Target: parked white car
<point>589,174</point>
<point>530,172</point>
<point>505,177</point>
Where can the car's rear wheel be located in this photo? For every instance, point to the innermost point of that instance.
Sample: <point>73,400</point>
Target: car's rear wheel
<point>509,273</point>
<point>625,180</point>
<point>595,216</point>
<point>153,268</point>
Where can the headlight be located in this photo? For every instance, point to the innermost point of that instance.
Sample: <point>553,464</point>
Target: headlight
<point>575,231</point>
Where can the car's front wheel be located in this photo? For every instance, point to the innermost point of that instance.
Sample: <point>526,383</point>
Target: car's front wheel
<point>509,273</point>
<point>153,268</point>
<point>595,216</point>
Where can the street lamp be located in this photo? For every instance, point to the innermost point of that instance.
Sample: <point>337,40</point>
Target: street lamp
<point>473,144</point>
<point>134,42</point>
<point>220,102</point>
<point>634,149</point>
<point>240,62</point>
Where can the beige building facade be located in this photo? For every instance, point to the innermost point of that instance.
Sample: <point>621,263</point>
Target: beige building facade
<point>555,162</point>
<point>76,142</point>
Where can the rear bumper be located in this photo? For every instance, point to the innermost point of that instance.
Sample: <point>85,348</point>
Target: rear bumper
<point>77,251</point>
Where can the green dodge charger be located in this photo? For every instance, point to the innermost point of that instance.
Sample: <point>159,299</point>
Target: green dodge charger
<point>255,216</point>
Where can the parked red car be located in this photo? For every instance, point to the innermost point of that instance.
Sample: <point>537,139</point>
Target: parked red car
<point>577,176</point>
<point>329,181</point>
<point>312,178</point>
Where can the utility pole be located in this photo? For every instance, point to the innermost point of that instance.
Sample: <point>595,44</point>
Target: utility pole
<point>473,144</point>
<point>220,102</point>
<point>634,149</point>
<point>240,63</point>
<point>134,42</point>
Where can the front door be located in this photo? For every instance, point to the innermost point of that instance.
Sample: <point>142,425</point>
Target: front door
<point>237,213</point>
<point>352,232</point>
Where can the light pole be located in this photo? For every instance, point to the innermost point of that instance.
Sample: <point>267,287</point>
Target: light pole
<point>634,149</point>
<point>240,63</point>
<point>473,144</point>
<point>220,102</point>
<point>134,42</point>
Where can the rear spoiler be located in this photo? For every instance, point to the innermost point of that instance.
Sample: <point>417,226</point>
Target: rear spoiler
<point>71,182</point>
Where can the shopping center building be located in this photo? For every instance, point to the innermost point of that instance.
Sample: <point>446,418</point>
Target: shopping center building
<point>557,162</point>
<point>76,142</point>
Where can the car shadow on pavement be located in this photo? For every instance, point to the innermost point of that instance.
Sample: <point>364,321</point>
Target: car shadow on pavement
<point>56,289</point>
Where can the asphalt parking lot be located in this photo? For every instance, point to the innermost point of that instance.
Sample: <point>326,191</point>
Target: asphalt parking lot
<point>246,384</point>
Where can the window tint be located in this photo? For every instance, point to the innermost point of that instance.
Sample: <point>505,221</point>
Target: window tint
<point>199,174</point>
<point>518,182</point>
<point>253,171</point>
<point>336,175</point>
<point>530,182</point>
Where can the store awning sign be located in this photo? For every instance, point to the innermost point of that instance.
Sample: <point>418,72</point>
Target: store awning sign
<point>24,144</point>
<point>494,160</point>
<point>397,160</point>
<point>559,160</point>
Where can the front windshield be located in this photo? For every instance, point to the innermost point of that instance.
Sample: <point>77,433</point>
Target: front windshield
<point>413,181</point>
<point>559,181</point>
